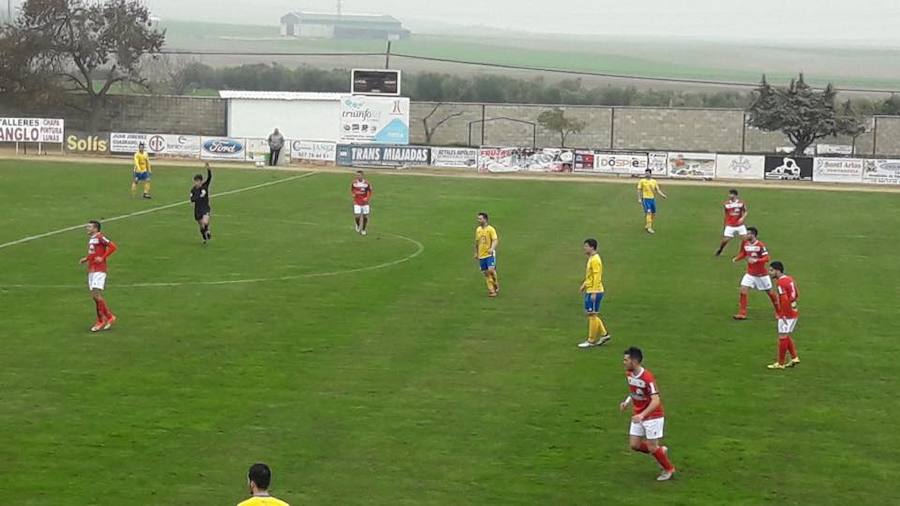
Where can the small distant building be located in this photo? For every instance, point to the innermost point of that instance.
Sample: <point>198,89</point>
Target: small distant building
<point>342,26</point>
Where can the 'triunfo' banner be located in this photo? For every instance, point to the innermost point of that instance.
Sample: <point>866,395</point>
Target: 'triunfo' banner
<point>374,120</point>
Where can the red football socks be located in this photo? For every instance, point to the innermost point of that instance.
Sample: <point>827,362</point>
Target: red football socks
<point>743,306</point>
<point>790,346</point>
<point>99,311</point>
<point>643,448</point>
<point>103,310</point>
<point>663,459</point>
<point>782,349</point>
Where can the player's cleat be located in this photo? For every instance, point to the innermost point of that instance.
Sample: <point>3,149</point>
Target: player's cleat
<point>718,253</point>
<point>740,317</point>
<point>651,231</point>
<point>98,326</point>
<point>109,323</point>
<point>775,366</point>
<point>357,228</point>
<point>793,363</point>
<point>364,232</point>
<point>666,475</point>
<point>147,196</point>
<point>604,339</point>
<point>492,294</point>
<point>588,344</point>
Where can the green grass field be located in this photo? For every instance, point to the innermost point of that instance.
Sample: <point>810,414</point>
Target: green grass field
<point>379,373</point>
<point>649,57</point>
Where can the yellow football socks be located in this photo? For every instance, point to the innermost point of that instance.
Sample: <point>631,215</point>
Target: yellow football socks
<point>601,328</point>
<point>146,188</point>
<point>649,220</point>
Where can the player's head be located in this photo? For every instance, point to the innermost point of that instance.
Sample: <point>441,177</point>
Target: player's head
<point>633,358</point>
<point>732,194</point>
<point>776,269</point>
<point>259,477</point>
<point>93,226</point>
<point>648,173</point>
<point>141,147</point>
<point>198,180</point>
<point>752,233</point>
<point>483,218</point>
<point>590,246</point>
<point>359,175</point>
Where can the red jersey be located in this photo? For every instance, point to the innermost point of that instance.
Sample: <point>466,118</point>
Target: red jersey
<point>361,191</point>
<point>787,297</point>
<point>643,388</point>
<point>734,212</point>
<point>99,249</point>
<point>758,251</point>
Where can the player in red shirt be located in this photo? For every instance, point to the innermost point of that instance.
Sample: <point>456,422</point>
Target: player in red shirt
<point>99,249</point>
<point>647,423</point>
<point>757,276</point>
<point>735,214</point>
<point>787,315</point>
<point>362,194</point>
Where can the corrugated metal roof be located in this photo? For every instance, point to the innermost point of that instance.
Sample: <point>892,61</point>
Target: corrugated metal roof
<point>345,18</point>
<point>279,95</point>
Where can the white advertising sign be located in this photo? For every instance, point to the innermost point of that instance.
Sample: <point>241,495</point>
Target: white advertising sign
<point>692,165</point>
<point>838,170</point>
<point>120,142</point>
<point>223,148</point>
<point>187,146</point>
<point>658,163</point>
<point>257,150</point>
<point>35,130</point>
<point>740,167</point>
<point>881,172</point>
<point>834,149</point>
<point>313,151</point>
<point>620,163</point>
<point>374,120</point>
<point>454,157</point>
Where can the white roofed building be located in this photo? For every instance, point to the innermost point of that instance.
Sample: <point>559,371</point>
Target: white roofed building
<point>342,26</point>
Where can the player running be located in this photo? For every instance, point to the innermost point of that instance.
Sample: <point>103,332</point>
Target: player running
<point>787,315</point>
<point>735,215</point>
<point>141,171</point>
<point>200,198</point>
<point>592,288</point>
<point>646,430</point>
<point>486,241</point>
<point>99,249</point>
<point>757,276</point>
<point>648,188</point>
<point>362,194</point>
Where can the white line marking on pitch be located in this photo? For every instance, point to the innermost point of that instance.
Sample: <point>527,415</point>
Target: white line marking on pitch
<point>420,248</point>
<point>153,210</point>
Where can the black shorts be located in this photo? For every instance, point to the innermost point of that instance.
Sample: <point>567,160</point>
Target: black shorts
<point>200,212</point>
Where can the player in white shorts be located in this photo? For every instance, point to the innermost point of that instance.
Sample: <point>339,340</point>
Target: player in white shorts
<point>757,276</point>
<point>361,190</point>
<point>735,214</point>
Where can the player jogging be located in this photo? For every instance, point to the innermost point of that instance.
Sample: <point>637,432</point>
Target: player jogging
<point>99,249</point>
<point>757,276</point>
<point>258,480</point>
<point>592,288</point>
<point>141,171</point>
<point>647,423</point>
<point>200,198</point>
<point>648,188</point>
<point>735,215</point>
<point>362,194</point>
<point>787,315</point>
<point>486,241</point>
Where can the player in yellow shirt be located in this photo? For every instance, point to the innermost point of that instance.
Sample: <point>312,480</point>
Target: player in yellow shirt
<point>648,188</point>
<point>141,171</point>
<point>592,288</point>
<point>486,241</point>
<point>259,478</point>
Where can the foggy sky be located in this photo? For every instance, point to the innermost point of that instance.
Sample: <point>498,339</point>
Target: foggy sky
<point>875,21</point>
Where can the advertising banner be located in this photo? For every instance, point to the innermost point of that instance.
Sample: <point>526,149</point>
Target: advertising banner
<point>658,162</point>
<point>525,159</point>
<point>838,170</point>
<point>740,167</point>
<point>187,146</point>
<point>584,161</point>
<point>692,165</point>
<point>223,148</point>
<point>374,120</point>
<point>257,150</point>
<point>834,149</point>
<point>87,143</point>
<point>313,151</point>
<point>120,142</point>
<point>789,168</point>
<point>45,130</point>
<point>881,172</point>
<point>466,158</point>
<point>620,163</point>
<point>386,156</point>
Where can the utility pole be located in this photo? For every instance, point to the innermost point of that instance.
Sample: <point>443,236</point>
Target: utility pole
<point>387,56</point>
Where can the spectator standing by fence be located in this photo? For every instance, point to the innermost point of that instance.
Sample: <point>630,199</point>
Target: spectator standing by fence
<point>276,143</point>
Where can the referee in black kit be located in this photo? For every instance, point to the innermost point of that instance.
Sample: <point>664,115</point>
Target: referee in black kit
<point>200,198</point>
